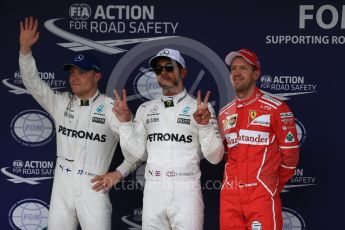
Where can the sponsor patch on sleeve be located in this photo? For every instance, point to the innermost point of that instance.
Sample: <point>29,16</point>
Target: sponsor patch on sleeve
<point>289,138</point>
<point>286,115</point>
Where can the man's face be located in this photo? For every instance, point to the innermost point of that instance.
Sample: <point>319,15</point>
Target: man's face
<point>243,75</point>
<point>170,77</point>
<point>83,83</point>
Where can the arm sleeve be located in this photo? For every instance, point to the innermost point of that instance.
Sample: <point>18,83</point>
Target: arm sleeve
<point>41,92</point>
<point>225,143</point>
<point>133,137</point>
<point>286,134</point>
<point>128,166</point>
<point>130,163</point>
<point>210,139</point>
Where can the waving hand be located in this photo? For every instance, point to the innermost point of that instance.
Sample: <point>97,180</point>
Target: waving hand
<point>28,34</point>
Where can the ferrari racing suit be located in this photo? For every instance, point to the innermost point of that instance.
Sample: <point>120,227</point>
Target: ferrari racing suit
<point>174,143</point>
<point>86,140</point>
<point>263,152</point>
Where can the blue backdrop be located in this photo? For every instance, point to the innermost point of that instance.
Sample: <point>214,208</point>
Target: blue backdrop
<point>301,48</point>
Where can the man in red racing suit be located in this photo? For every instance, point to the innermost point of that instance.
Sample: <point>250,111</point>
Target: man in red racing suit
<point>263,150</point>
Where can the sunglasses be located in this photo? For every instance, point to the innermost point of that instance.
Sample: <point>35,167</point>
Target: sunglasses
<point>168,67</point>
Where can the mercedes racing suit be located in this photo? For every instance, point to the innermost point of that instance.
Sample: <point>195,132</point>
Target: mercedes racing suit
<point>263,153</point>
<point>174,144</point>
<point>86,140</point>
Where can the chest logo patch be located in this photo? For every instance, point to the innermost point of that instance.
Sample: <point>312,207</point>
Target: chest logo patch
<point>230,121</point>
<point>258,118</point>
<point>253,114</point>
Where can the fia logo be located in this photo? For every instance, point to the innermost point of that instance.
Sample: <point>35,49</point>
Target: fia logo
<point>80,11</point>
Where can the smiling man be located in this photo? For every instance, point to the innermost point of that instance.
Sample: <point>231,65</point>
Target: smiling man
<point>263,150</point>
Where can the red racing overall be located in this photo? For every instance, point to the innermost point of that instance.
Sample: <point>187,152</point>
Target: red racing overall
<point>263,152</point>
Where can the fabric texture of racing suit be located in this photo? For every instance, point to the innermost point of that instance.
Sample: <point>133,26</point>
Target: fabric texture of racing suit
<point>86,140</point>
<point>263,152</point>
<point>174,145</point>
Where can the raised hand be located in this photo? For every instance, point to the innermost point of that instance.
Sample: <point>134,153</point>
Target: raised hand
<point>121,110</point>
<point>202,114</point>
<point>28,34</point>
<point>106,181</point>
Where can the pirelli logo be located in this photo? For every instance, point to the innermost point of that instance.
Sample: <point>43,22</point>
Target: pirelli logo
<point>271,99</point>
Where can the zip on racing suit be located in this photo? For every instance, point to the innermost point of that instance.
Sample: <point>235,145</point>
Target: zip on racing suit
<point>263,153</point>
<point>174,144</point>
<point>86,140</point>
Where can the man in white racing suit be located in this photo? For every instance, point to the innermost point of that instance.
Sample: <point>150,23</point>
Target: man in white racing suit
<point>87,135</point>
<point>175,131</point>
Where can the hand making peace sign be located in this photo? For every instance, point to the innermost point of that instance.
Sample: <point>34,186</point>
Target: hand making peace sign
<point>202,114</point>
<point>121,110</point>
